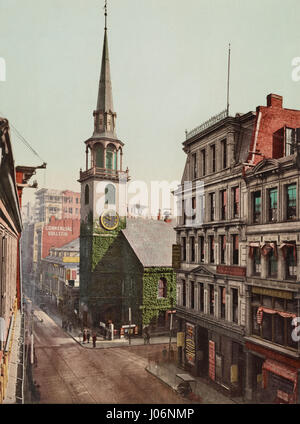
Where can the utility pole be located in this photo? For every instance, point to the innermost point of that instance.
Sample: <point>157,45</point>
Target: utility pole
<point>129,330</point>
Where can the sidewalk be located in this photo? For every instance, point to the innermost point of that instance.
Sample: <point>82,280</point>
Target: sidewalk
<point>208,394</point>
<point>101,343</point>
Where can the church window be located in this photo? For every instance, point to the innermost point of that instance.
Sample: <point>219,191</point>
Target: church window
<point>99,156</point>
<point>86,195</point>
<point>110,194</point>
<point>162,287</point>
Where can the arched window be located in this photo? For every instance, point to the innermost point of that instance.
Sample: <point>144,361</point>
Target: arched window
<point>111,157</point>
<point>110,194</point>
<point>99,156</point>
<point>162,287</point>
<point>86,195</point>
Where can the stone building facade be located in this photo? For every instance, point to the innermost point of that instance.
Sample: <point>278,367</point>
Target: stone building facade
<point>242,257</point>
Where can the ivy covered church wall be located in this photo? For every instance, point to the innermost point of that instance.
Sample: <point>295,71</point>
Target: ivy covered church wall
<point>152,304</point>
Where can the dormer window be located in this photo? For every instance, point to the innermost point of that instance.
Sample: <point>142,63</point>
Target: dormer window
<point>290,140</point>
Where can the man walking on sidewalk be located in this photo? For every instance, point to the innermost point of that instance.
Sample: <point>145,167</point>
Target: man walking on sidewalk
<point>94,339</point>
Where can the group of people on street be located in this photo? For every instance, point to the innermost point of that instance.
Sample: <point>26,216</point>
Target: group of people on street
<point>86,335</point>
<point>67,325</point>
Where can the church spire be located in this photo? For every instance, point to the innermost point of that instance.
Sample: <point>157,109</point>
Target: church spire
<point>104,114</point>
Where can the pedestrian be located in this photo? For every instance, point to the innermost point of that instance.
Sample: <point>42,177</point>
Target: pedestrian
<point>88,335</point>
<point>94,339</point>
<point>70,327</point>
<point>164,352</point>
<point>84,336</point>
<point>145,337</point>
<point>148,337</point>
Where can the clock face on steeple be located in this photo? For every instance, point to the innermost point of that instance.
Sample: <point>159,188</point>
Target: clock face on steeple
<point>109,220</point>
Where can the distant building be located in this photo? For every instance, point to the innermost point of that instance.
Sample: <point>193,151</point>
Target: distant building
<point>63,204</point>
<point>59,274</point>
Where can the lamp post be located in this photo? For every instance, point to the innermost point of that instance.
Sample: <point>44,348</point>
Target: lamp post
<point>171,321</point>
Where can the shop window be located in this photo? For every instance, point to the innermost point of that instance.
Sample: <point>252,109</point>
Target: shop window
<point>272,204</point>
<point>267,327</point>
<point>236,202</point>
<point>162,287</point>
<point>235,305</point>
<point>279,329</point>
<point>291,201</point>
<point>256,206</point>
<point>223,204</point>
<point>290,328</point>
<point>235,247</point>
<point>223,249</point>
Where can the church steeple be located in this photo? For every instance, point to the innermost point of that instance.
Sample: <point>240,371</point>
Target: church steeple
<point>104,115</point>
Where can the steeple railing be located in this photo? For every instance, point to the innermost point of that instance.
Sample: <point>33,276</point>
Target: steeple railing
<point>102,173</point>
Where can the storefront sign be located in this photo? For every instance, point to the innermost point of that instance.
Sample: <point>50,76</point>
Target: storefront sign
<point>190,350</point>
<point>271,292</point>
<point>176,256</point>
<point>180,339</point>
<point>237,271</point>
<point>212,366</point>
<point>234,374</point>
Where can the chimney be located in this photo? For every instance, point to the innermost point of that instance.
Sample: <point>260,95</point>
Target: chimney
<point>274,100</point>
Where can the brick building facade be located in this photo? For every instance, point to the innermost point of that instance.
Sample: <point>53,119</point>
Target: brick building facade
<point>237,283</point>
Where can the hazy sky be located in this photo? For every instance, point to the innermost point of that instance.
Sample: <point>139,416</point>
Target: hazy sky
<point>168,67</point>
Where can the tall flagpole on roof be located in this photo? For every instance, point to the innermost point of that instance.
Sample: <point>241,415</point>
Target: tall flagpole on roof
<point>228,80</point>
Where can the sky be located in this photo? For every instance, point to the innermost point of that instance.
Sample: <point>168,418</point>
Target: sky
<point>168,68</point>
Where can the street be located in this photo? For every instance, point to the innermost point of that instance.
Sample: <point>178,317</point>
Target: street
<point>68,373</point>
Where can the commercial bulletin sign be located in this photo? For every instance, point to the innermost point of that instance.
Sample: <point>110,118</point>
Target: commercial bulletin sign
<point>212,360</point>
<point>190,351</point>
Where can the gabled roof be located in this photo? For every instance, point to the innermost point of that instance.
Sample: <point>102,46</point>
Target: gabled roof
<point>151,241</point>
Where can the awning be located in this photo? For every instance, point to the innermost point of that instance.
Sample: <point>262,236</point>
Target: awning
<point>283,246</point>
<point>267,248</point>
<point>262,309</point>
<point>280,369</point>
